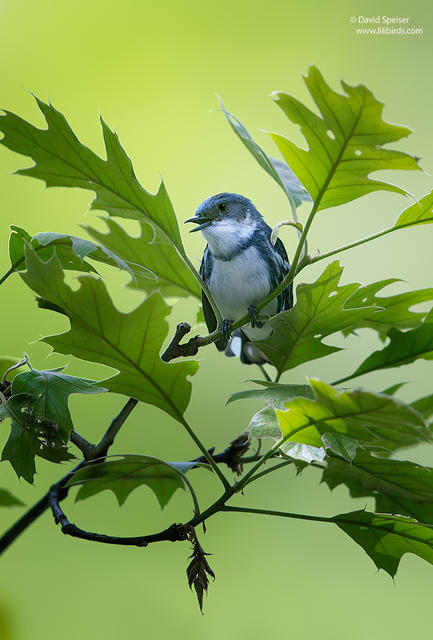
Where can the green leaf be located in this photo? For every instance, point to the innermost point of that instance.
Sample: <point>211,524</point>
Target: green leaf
<point>392,390</point>
<point>424,406</point>
<point>403,348</point>
<point>61,160</point>
<point>345,143</point>
<point>87,249</point>
<point>421,511</point>
<point>367,475</point>
<point>274,394</point>
<point>278,170</point>
<point>71,252</point>
<point>149,251</point>
<point>68,258</point>
<point>127,342</point>
<point>340,445</point>
<point>22,446</point>
<point>393,311</point>
<point>321,309</point>
<point>362,415</point>
<point>419,213</point>
<point>9,500</point>
<point>29,437</point>
<point>264,423</point>
<point>123,474</point>
<point>50,391</point>
<point>387,538</point>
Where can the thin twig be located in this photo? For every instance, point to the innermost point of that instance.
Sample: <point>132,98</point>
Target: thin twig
<point>174,533</point>
<point>86,447</point>
<point>19,364</point>
<point>107,439</point>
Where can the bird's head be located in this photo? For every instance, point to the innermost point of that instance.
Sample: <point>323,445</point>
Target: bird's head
<point>226,217</point>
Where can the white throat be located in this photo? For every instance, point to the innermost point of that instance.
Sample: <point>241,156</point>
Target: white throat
<point>225,236</point>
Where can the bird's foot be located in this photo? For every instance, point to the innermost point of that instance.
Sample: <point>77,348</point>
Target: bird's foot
<point>226,330</point>
<point>252,312</point>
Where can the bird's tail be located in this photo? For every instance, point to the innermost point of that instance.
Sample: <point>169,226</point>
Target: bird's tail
<point>241,347</point>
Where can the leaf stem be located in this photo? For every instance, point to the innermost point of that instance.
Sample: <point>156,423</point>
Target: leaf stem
<point>374,236</point>
<point>283,514</point>
<point>205,452</point>
<point>8,273</point>
<point>270,470</point>
<point>116,424</point>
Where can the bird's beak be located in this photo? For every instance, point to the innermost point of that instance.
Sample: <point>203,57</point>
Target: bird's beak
<point>201,222</point>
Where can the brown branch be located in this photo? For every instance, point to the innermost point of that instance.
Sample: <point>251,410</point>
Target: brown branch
<point>86,447</point>
<point>232,456</point>
<point>177,350</point>
<point>90,452</point>
<point>58,492</point>
<point>101,449</point>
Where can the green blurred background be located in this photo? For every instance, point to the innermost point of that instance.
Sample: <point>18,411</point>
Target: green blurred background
<point>152,70</point>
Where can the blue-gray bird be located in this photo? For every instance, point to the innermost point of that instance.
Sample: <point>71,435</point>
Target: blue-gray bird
<point>240,267</point>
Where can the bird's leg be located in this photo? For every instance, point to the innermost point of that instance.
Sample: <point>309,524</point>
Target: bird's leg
<point>226,330</point>
<point>252,312</point>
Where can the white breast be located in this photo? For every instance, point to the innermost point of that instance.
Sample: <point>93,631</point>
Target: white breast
<point>238,283</point>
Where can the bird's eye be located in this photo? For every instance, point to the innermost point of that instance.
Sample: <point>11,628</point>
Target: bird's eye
<point>222,206</point>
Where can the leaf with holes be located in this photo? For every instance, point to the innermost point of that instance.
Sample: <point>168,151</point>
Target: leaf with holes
<point>345,142</point>
<point>127,342</point>
<point>29,437</point>
<point>321,309</point>
<point>123,474</point>
<point>50,391</point>
<point>149,251</point>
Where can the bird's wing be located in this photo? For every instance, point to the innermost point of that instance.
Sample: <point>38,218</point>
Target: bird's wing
<point>285,299</point>
<point>209,316</point>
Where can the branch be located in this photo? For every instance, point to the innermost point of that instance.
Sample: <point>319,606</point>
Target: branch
<point>86,447</point>
<point>101,449</point>
<point>231,456</point>
<point>90,452</point>
<point>176,350</point>
<point>58,492</point>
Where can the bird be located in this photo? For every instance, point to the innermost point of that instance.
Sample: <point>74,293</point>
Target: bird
<point>240,267</point>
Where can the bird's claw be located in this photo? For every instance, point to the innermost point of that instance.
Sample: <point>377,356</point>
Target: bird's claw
<point>226,330</point>
<point>252,312</point>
